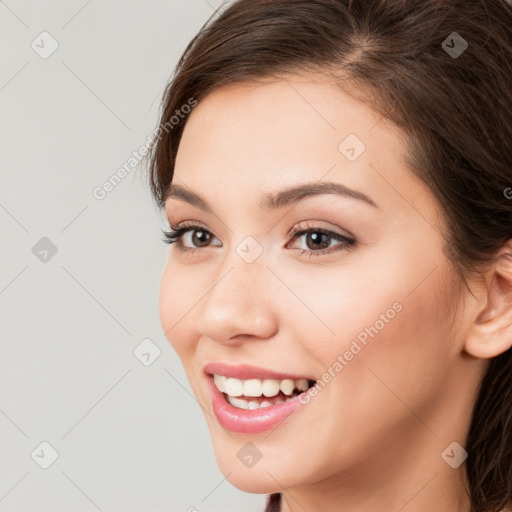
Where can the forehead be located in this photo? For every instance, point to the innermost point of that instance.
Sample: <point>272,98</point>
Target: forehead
<point>243,140</point>
<point>300,109</point>
<point>284,121</point>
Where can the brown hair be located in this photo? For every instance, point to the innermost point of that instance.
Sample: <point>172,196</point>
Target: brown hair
<point>454,103</point>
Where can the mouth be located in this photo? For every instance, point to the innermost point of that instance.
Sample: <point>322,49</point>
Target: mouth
<point>251,400</point>
<point>252,394</point>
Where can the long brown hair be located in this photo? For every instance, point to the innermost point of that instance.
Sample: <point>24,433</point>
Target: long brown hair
<point>450,92</point>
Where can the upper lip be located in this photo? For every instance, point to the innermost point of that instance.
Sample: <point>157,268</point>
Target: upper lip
<point>245,372</point>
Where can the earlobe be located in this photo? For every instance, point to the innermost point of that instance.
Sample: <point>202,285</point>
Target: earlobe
<point>491,331</point>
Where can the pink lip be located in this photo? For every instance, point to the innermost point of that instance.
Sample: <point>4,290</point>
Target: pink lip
<point>250,421</point>
<point>244,372</point>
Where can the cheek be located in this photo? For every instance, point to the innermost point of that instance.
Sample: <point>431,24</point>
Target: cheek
<point>375,333</point>
<point>333,306</point>
<point>391,364</point>
<point>393,298</point>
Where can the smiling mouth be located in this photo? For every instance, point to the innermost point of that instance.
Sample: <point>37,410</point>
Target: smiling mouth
<point>254,394</point>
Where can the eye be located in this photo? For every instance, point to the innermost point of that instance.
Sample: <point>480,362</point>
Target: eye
<point>200,236</point>
<point>319,240</point>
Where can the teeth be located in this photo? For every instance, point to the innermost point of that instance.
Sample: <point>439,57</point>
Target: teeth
<point>254,404</point>
<point>220,382</point>
<point>270,387</point>
<point>287,386</point>
<point>238,402</point>
<point>234,387</point>
<point>252,387</point>
<point>257,387</point>
<point>302,384</point>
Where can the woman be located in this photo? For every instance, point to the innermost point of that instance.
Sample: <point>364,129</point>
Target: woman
<point>336,175</point>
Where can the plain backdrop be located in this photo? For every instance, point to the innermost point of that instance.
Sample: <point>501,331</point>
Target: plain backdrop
<point>90,418</point>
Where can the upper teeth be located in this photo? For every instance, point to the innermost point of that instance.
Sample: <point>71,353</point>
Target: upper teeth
<point>258,387</point>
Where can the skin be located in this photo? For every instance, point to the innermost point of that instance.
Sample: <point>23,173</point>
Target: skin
<point>372,438</point>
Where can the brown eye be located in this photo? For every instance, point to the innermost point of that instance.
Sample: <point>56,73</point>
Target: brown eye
<point>200,237</point>
<point>318,240</point>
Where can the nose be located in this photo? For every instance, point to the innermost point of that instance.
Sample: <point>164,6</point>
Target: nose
<point>240,303</point>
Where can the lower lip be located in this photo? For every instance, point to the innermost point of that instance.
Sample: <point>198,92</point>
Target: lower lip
<point>250,421</point>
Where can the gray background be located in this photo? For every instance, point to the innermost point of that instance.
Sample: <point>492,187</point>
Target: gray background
<point>129,437</point>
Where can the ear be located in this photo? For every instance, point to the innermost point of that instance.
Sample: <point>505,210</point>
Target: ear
<point>491,331</point>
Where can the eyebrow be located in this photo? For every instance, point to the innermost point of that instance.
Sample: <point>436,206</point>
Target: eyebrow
<point>274,201</point>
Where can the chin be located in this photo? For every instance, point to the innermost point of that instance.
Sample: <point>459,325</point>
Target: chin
<point>255,483</point>
<point>264,477</point>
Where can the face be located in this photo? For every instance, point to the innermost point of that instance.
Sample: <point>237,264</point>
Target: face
<point>356,298</point>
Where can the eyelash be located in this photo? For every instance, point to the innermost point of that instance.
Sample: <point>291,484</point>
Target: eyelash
<point>175,235</point>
